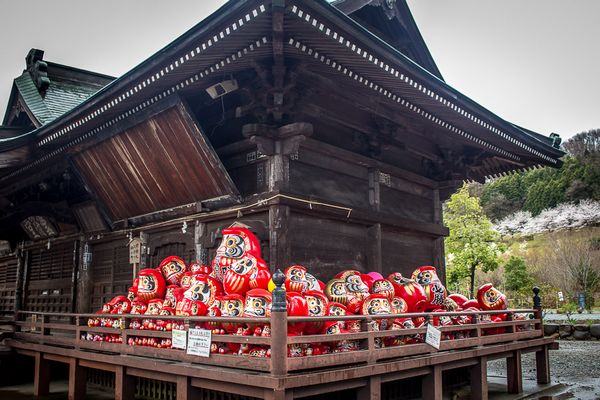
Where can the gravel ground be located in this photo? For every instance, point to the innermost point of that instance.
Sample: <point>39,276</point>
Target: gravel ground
<point>576,365</point>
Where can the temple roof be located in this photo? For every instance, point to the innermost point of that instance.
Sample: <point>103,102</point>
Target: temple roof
<point>240,32</point>
<point>49,90</point>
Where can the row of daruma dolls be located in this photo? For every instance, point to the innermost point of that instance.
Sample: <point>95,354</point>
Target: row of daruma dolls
<point>238,284</point>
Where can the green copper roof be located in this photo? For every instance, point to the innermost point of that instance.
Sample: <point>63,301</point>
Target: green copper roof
<point>32,98</point>
<point>61,96</point>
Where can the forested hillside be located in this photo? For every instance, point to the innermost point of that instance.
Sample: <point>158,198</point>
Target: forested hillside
<point>540,226</point>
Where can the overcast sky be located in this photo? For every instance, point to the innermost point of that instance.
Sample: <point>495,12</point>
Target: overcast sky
<point>533,62</point>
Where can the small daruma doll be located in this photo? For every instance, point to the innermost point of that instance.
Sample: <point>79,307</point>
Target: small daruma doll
<point>132,291</point>
<point>236,243</point>
<point>356,289</point>
<point>318,306</point>
<point>151,285</point>
<point>295,279</point>
<point>190,308</point>
<point>232,305</point>
<point>384,287</point>
<point>172,268</point>
<point>205,289</point>
<point>377,304</point>
<point>257,305</point>
<point>296,307</point>
<point>199,268</point>
<point>490,298</point>
<point>247,273</point>
<point>427,277</point>
<point>410,291</point>
<point>173,294</point>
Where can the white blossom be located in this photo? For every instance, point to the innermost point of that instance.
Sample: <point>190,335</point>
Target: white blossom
<point>563,216</point>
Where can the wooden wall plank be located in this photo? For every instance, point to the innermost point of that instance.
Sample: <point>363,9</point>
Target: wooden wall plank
<point>160,163</point>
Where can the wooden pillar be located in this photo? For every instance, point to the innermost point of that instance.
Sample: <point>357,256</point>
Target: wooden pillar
<point>77,255</point>
<point>375,256</point>
<point>279,244</point>
<point>184,389</point>
<point>372,391</point>
<point>41,376</point>
<point>431,384</point>
<point>19,280</point>
<point>201,250</point>
<point>514,373</point>
<point>542,358</point>
<point>542,365</point>
<point>279,394</point>
<point>84,278</point>
<point>124,384</point>
<point>25,286</point>
<point>479,385</point>
<point>374,260</point>
<point>278,327</point>
<point>438,244</point>
<point>77,380</point>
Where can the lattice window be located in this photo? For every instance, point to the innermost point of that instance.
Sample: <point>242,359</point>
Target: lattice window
<point>50,278</point>
<point>8,282</point>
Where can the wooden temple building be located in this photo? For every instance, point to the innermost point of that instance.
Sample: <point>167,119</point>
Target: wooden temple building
<point>324,126</point>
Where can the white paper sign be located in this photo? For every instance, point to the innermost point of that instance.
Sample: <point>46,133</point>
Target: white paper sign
<point>199,341</point>
<point>561,297</point>
<point>433,336</point>
<point>179,339</point>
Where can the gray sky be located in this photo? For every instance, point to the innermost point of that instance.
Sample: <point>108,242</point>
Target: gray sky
<point>532,62</point>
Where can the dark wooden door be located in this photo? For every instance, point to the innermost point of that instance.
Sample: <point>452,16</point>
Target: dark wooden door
<point>111,272</point>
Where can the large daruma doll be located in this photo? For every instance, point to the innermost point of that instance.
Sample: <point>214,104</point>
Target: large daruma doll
<point>435,291</point>
<point>236,243</point>
<point>151,285</point>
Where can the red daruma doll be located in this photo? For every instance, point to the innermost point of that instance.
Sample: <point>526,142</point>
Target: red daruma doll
<point>172,268</point>
<point>434,290</point>
<point>318,306</point>
<point>257,304</point>
<point>410,291</point>
<point>490,298</point>
<point>236,243</point>
<point>151,285</point>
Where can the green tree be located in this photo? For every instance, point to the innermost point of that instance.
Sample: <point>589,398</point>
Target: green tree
<point>472,243</point>
<point>516,276</point>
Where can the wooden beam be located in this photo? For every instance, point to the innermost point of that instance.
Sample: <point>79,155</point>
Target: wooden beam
<point>479,385</point>
<point>124,384</point>
<point>431,384</point>
<point>41,376</point>
<point>514,373</point>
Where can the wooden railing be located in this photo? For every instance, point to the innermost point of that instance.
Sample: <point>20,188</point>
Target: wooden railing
<point>70,330</point>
